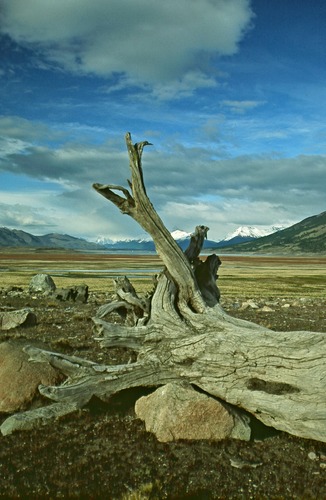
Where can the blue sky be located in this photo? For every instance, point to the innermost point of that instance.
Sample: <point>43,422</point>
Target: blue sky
<point>231,93</point>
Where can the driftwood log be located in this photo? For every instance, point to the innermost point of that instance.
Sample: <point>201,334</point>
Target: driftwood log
<point>182,333</point>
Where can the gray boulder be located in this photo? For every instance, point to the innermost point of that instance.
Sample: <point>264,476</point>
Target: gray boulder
<point>177,411</point>
<point>14,319</point>
<point>42,283</point>
<point>73,294</point>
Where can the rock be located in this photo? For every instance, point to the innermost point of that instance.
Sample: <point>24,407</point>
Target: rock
<point>253,304</point>
<point>81,293</point>
<point>63,294</point>
<point>20,379</point>
<point>267,309</point>
<point>249,303</point>
<point>33,419</point>
<point>177,411</point>
<point>74,294</point>
<point>14,291</point>
<point>13,319</point>
<point>42,283</point>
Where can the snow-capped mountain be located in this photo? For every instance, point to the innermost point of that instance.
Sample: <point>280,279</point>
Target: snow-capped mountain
<point>103,240</point>
<point>147,244</point>
<point>240,235</point>
<point>178,234</point>
<point>247,233</point>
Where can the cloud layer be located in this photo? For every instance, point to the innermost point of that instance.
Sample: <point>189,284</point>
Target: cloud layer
<point>148,42</point>
<point>236,113</point>
<point>185,185</point>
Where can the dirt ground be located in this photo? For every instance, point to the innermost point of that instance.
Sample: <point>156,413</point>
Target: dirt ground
<point>103,451</point>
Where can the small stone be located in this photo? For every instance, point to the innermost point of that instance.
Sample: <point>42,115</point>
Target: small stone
<point>244,306</point>
<point>266,309</point>
<point>312,455</point>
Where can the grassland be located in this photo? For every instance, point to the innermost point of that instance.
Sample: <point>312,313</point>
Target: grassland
<point>254,276</point>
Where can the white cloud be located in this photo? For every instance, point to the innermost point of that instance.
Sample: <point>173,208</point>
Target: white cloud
<point>241,107</point>
<point>18,211</point>
<point>150,42</point>
<point>189,185</point>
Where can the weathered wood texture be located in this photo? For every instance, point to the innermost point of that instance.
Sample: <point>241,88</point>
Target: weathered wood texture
<point>277,376</point>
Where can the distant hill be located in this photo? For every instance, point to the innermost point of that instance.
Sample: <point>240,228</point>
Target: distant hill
<point>307,236</point>
<point>16,238</point>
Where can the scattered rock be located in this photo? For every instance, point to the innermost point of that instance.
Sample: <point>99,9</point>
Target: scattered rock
<point>74,294</point>
<point>267,309</point>
<point>13,319</point>
<point>249,303</point>
<point>14,291</point>
<point>312,455</point>
<point>177,411</point>
<point>42,283</point>
<point>20,378</point>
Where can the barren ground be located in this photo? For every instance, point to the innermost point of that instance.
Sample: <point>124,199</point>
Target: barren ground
<point>103,451</point>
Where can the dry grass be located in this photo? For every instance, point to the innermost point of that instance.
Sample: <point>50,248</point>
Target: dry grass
<point>239,275</point>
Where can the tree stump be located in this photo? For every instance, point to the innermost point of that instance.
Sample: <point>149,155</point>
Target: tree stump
<point>183,334</point>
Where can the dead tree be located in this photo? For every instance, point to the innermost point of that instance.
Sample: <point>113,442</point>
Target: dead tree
<point>279,377</point>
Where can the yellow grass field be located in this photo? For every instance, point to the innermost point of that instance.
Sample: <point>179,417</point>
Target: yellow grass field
<point>254,276</point>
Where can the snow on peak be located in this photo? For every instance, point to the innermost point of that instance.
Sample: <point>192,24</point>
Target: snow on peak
<point>179,235</point>
<point>247,232</point>
<point>102,240</point>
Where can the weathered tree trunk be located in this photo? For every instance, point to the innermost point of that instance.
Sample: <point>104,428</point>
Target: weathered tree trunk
<point>185,335</point>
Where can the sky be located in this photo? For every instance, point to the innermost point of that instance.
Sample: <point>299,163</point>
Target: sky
<point>231,93</point>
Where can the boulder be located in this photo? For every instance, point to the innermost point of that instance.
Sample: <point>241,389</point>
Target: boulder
<point>74,294</point>
<point>177,411</point>
<point>42,283</point>
<point>20,378</point>
<point>13,319</point>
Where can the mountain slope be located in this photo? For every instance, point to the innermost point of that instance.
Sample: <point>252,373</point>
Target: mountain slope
<point>307,236</point>
<point>17,238</point>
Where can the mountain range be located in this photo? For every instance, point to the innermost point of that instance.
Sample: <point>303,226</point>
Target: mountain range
<point>16,238</point>
<point>240,235</point>
<point>307,236</point>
